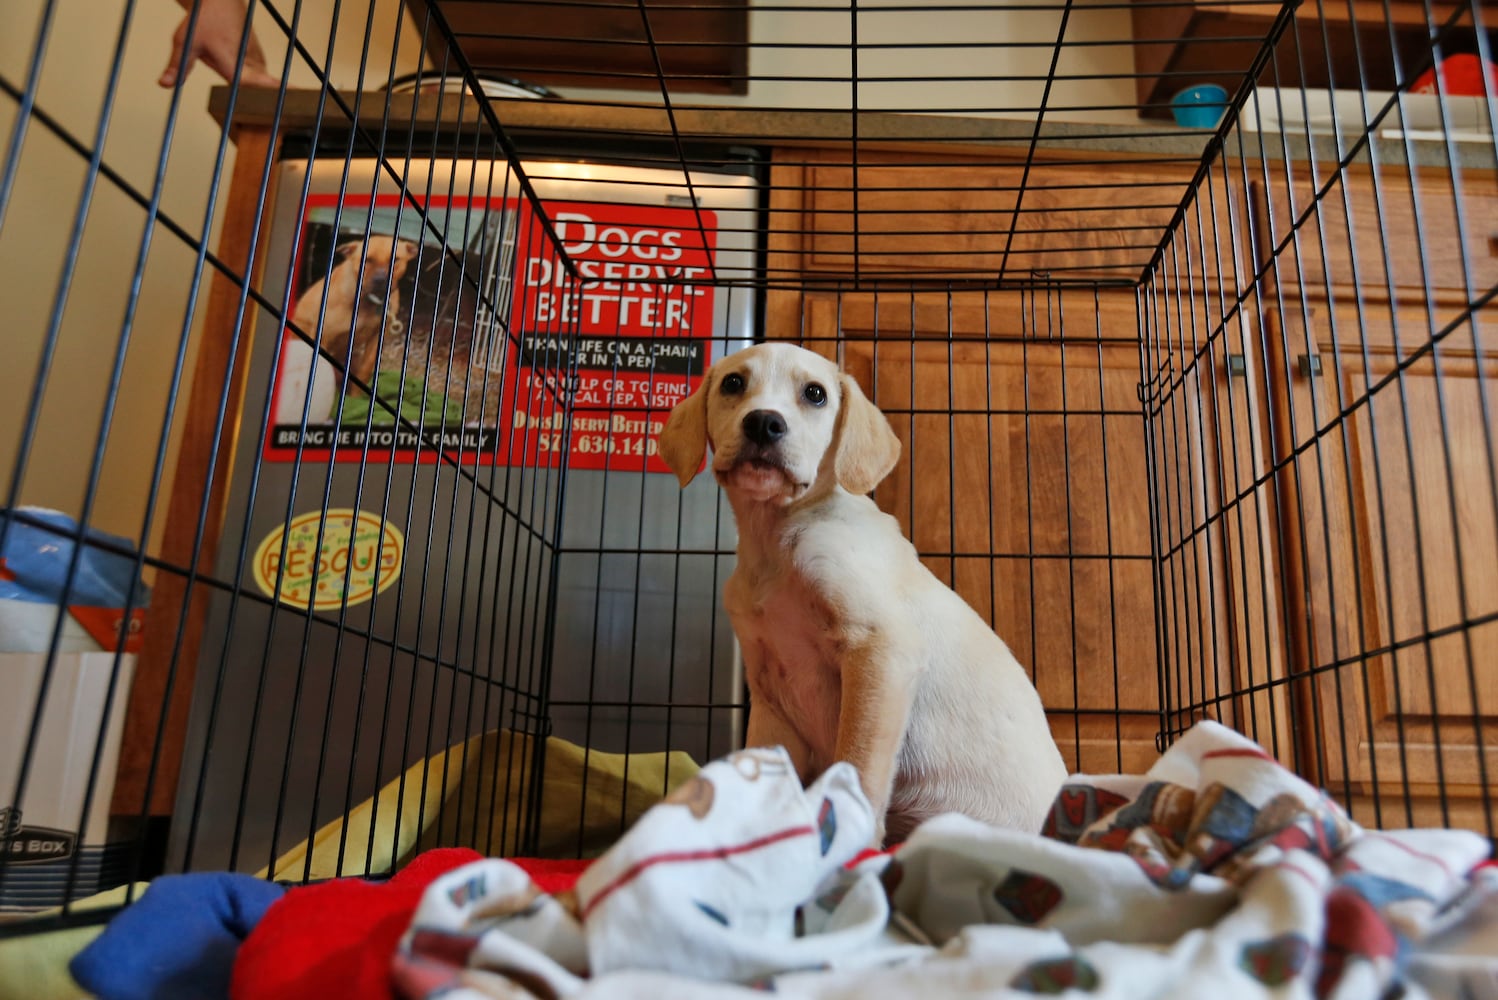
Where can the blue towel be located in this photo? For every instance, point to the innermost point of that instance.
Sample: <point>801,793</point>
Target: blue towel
<point>38,558</point>
<point>178,941</point>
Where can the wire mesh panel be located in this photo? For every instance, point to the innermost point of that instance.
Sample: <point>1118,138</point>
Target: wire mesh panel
<point>1020,482</point>
<point>1318,337</point>
<point>467,512</point>
<point>338,388</point>
<point>352,570</point>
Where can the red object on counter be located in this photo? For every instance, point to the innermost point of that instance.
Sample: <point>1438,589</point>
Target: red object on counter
<point>1461,76</point>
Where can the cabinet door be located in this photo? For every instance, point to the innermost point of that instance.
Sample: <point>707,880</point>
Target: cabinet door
<point>1215,508</point>
<point>901,215</point>
<point>1389,479</point>
<point>1361,232</point>
<point>1216,522</point>
<point>1021,483</point>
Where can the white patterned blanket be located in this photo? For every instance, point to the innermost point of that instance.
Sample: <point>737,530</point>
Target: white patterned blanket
<point>1217,873</point>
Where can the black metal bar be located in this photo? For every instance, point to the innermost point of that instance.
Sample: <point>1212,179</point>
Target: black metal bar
<point>686,173</point>
<point>1045,98</point>
<point>509,224</point>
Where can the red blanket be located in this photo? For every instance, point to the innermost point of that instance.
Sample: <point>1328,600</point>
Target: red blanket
<point>336,939</point>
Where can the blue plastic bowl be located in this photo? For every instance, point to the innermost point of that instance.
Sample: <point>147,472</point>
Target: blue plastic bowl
<point>1199,107</point>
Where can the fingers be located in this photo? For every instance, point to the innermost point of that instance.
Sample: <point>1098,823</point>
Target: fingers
<point>220,53</point>
<point>168,76</point>
<point>216,42</point>
<point>254,74</point>
<point>257,78</point>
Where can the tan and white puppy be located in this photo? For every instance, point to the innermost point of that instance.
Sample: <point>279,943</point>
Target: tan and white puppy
<point>852,650</point>
<point>363,299</point>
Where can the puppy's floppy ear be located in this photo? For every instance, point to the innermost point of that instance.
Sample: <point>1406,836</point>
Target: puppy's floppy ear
<point>683,441</point>
<point>866,447</point>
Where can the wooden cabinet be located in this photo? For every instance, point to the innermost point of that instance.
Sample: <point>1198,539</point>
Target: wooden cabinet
<point>1382,391</point>
<point>1372,234</point>
<point>1294,530</point>
<point>1217,530</point>
<point>918,215</point>
<point>1390,478</point>
<point>1021,481</point>
<point>1322,440</point>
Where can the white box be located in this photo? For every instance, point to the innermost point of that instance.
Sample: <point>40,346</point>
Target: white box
<point>42,837</point>
<point>1295,112</point>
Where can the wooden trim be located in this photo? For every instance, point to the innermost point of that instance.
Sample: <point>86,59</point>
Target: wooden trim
<point>1368,12</point>
<point>160,698</point>
<point>1002,138</point>
<point>995,140</point>
<point>1277,443</point>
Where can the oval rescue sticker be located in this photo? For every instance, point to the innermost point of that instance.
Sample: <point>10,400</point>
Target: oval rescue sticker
<point>359,551</point>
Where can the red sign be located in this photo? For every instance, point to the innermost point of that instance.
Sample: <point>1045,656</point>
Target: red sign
<point>623,339</point>
<point>631,340</point>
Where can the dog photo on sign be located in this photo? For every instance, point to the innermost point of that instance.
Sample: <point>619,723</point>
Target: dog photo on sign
<point>392,312</point>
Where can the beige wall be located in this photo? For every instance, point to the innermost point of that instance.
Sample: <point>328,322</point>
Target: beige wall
<point>1025,66</point>
<point>35,238</point>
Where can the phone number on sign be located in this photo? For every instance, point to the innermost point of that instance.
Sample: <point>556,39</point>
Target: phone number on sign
<point>600,444</point>
<point>597,444</point>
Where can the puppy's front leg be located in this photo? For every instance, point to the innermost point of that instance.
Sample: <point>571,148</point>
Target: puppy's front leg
<point>878,690</point>
<point>767,729</point>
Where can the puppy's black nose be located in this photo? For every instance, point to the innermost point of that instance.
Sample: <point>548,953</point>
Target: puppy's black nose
<point>764,427</point>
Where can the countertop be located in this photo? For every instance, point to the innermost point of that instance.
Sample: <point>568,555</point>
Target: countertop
<point>999,138</point>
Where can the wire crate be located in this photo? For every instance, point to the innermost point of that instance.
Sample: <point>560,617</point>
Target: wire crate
<point>358,361</point>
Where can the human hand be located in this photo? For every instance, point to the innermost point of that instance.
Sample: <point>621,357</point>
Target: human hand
<point>216,41</point>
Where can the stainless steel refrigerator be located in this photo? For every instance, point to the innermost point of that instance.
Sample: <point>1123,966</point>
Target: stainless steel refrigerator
<point>488,559</point>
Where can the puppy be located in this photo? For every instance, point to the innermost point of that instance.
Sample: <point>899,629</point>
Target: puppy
<point>852,649</point>
<point>363,299</point>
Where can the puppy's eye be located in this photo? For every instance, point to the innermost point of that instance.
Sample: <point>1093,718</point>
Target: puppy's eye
<point>814,394</point>
<point>732,384</point>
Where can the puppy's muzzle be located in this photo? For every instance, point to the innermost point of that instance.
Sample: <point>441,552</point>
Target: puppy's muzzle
<point>764,427</point>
